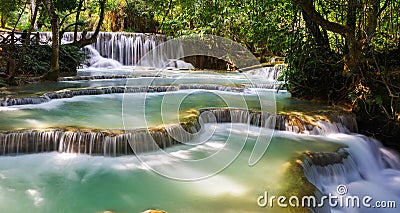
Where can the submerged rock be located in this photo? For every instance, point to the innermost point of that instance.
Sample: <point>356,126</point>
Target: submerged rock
<point>154,211</point>
<point>178,64</point>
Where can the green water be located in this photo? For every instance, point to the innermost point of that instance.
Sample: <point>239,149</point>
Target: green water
<point>168,78</point>
<point>105,111</point>
<point>55,182</point>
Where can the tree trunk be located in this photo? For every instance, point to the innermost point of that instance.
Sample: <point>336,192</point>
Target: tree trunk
<point>27,40</point>
<point>34,10</point>
<point>354,60</point>
<point>52,74</point>
<point>3,21</point>
<point>80,4</point>
<point>320,37</point>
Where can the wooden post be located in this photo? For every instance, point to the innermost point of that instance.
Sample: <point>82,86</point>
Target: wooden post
<point>12,38</point>
<point>11,68</point>
<point>37,37</point>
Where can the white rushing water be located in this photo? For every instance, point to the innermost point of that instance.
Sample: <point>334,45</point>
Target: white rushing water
<point>369,170</point>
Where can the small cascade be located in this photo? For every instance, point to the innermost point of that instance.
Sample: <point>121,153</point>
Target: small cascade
<point>210,87</point>
<point>324,168</point>
<point>91,142</point>
<point>83,91</point>
<point>35,141</point>
<point>69,93</point>
<point>97,61</point>
<point>95,77</point>
<point>263,86</point>
<point>363,166</point>
<point>272,73</point>
<point>232,115</point>
<point>175,64</point>
<point>344,124</point>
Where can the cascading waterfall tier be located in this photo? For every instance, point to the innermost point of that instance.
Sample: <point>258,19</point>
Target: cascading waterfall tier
<point>113,49</point>
<point>271,73</point>
<point>114,143</point>
<point>69,93</point>
<point>350,165</point>
<point>126,48</point>
<point>362,165</point>
<point>91,142</point>
<point>129,49</point>
<point>338,123</point>
<point>83,91</point>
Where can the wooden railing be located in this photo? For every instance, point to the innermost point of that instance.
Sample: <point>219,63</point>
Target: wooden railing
<point>18,38</point>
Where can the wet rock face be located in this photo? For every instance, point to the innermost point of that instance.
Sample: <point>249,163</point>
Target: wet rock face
<point>323,158</point>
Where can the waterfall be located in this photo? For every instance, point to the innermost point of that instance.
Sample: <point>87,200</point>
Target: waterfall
<point>264,86</point>
<point>343,124</point>
<point>365,167</point>
<point>132,49</point>
<point>232,115</point>
<point>324,168</point>
<point>112,50</point>
<point>126,48</point>
<point>114,144</point>
<point>83,91</point>
<point>89,142</point>
<point>97,61</point>
<point>271,73</point>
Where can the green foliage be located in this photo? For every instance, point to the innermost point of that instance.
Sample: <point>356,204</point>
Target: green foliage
<point>7,12</point>
<point>64,5</point>
<point>70,58</point>
<point>7,7</point>
<point>315,73</point>
<point>37,57</point>
<point>262,26</point>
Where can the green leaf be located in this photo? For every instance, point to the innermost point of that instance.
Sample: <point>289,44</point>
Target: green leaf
<point>378,99</point>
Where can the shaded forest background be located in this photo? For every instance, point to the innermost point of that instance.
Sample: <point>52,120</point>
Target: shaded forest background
<point>341,52</point>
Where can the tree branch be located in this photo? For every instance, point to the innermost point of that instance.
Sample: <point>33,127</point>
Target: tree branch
<point>70,25</point>
<point>383,7</point>
<point>69,14</point>
<point>317,18</point>
<point>86,41</point>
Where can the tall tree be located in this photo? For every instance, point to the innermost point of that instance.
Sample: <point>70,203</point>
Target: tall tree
<point>358,38</point>
<point>63,6</point>
<point>53,73</point>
